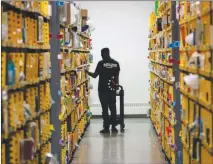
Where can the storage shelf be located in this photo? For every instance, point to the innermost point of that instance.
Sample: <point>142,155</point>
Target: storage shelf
<point>161,50</point>
<point>23,48</point>
<point>161,63</point>
<point>192,18</point>
<point>23,125</point>
<point>207,147</point>
<point>197,100</point>
<point>22,9</point>
<point>166,117</point>
<point>24,84</point>
<point>207,106</point>
<point>169,82</point>
<point>190,102</point>
<point>83,35</point>
<point>202,48</point>
<point>29,101</point>
<point>169,28</point>
<point>69,48</point>
<point>203,73</point>
<point>74,69</point>
<point>74,89</point>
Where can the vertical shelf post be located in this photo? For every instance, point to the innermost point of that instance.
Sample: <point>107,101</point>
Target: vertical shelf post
<point>55,81</point>
<point>176,89</point>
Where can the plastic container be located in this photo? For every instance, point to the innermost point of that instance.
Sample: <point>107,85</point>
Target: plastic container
<point>11,74</point>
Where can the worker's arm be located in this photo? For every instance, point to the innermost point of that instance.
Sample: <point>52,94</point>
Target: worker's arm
<point>96,73</point>
<point>117,76</point>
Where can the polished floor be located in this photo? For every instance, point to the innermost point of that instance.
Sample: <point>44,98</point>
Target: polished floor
<point>137,145</point>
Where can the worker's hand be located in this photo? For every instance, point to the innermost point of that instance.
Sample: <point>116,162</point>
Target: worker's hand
<point>86,69</point>
<point>117,87</point>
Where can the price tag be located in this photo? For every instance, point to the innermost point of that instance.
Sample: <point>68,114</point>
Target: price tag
<point>52,127</point>
<point>60,56</point>
<point>177,85</point>
<point>59,92</point>
<point>173,79</point>
<point>60,117</point>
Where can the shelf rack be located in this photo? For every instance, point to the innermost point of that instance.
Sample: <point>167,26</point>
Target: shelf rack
<point>70,87</point>
<point>197,103</point>
<point>38,84</point>
<point>164,77</point>
<point>25,81</point>
<point>189,107</point>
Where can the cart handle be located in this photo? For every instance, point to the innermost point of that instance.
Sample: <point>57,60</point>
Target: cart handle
<point>120,87</point>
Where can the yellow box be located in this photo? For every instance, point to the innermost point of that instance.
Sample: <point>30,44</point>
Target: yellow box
<point>45,149</point>
<point>31,94</point>
<point>193,111</point>
<point>20,107</point>
<point>207,120</point>
<point>3,154</point>
<point>31,67</point>
<point>185,156</point>
<point>205,96</point>
<point>206,157</point>
<point>207,63</point>
<point>183,33</point>
<point>3,69</point>
<point>183,60</point>
<point>15,153</point>
<point>185,108</point>
<point>205,21</point>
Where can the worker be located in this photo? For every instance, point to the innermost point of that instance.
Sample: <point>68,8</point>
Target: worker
<point>108,71</point>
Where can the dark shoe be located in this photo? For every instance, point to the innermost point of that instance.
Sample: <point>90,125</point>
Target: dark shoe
<point>114,130</point>
<point>104,131</point>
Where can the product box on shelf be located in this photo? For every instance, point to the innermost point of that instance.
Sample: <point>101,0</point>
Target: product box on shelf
<point>68,13</point>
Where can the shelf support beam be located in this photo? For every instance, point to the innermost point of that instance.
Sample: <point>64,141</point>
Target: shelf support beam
<point>176,87</point>
<point>55,81</point>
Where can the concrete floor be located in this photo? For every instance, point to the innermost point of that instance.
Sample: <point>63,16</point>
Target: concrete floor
<point>137,145</point>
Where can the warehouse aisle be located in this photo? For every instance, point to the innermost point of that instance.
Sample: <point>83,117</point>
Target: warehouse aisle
<point>137,145</point>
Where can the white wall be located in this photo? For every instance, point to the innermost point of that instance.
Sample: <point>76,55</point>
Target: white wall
<point>123,27</point>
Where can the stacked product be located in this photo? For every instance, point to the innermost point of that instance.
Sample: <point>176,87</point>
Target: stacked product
<point>161,78</point>
<point>186,130</point>
<point>75,45</point>
<point>196,84</point>
<point>27,85</point>
<point>25,74</point>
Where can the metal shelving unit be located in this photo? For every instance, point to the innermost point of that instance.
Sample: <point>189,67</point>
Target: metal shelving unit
<point>69,86</point>
<point>33,103</point>
<point>164,80</point>
<point>192,126</point>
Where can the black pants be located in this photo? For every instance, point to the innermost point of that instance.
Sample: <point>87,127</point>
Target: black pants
<point>108,100</point>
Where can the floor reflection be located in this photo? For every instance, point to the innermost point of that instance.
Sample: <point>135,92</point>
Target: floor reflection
<point>138,144</point>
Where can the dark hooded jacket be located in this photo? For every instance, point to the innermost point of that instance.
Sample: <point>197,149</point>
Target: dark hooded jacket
<point>108,71</point>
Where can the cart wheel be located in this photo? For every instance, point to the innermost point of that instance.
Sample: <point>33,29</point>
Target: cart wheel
<point>122,128</point>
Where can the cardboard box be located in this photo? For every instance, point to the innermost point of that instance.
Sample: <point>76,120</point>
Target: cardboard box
<point>84,13</point>
<point>68,13</point>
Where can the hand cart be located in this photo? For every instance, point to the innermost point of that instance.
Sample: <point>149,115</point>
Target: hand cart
<point>120,119</point>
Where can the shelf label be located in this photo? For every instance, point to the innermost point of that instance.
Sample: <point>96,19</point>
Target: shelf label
<point>51,127</point>
<point>177,85</point>
<point>173,79</point>
<point>60,56</point>
<point>59,92</point>
<point>60,117</point>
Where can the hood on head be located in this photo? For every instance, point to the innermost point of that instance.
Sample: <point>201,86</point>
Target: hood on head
<point>105,54</point>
